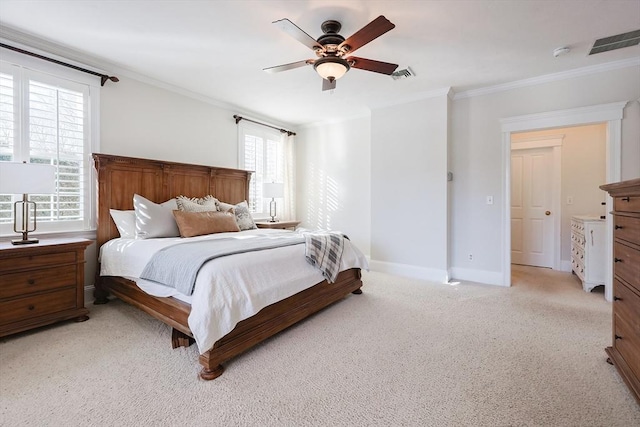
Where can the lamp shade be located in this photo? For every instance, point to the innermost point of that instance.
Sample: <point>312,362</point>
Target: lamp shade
<point>331,68</point>
<point>273,190</point>
<point>27,178</point>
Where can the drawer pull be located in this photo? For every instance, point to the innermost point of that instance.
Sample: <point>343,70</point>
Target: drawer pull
<point>615,298</point>
<point>618,337</point>
<point>31,281</point>
<point>619,227</point>
<point>617,260</point>
<point>31,307</point>
<point>626,199</point>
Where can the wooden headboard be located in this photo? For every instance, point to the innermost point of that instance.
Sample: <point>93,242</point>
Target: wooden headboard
<point>119,178</point>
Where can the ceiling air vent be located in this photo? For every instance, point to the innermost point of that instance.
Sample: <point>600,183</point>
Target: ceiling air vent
<point>402,74</point>
<point>606,44</point>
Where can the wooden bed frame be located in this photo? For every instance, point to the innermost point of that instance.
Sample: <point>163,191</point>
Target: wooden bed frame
<point>119,178</point>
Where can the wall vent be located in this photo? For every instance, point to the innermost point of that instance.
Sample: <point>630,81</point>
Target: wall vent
<point>402,74</point>
<point>619,41</point>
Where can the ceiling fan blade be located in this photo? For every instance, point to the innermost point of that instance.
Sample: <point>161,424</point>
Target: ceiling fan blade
<point>291,66</point>
<point>369,32</point>
<point>294,31</point>
<point>327,85</point>
<point>371,65</point>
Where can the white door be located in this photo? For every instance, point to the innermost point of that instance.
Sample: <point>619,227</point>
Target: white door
<point>532,226</point>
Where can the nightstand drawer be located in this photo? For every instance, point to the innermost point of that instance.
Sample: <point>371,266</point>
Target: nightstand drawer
<point>27,282</point>
<point>39,305</point>
<point>626,263</point>
<point>23,262</point>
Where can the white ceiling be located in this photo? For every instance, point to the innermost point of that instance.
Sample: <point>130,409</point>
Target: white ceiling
<point>218,48</point>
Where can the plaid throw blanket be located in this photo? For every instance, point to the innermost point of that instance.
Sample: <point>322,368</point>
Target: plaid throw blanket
<point>324,251</point>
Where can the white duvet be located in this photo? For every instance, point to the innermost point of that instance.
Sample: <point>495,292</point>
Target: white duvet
<point>227,289</point>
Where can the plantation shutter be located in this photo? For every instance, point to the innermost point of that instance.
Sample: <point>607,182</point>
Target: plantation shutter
<point>45,119</point>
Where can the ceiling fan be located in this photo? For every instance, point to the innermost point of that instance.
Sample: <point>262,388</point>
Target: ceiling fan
<point>333,51</point>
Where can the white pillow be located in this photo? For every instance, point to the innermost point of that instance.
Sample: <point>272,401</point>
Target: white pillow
<point>154,220</point>
<point>125,222</point>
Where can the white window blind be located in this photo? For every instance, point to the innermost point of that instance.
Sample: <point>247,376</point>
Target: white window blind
<point>261,151</point>
<point>45,119</point>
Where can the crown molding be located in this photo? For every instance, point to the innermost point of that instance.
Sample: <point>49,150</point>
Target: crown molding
<point>547,78</point>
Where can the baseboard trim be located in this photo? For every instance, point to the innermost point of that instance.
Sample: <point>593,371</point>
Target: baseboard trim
<point>565,266</point>
<point>479,276</point>
<point>412,271</point>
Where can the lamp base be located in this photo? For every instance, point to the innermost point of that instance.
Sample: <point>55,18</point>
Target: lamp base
<point>24,241</point>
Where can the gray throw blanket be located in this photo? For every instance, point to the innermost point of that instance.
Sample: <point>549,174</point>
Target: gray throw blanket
<point>324,251</point>
<point>177,266</point>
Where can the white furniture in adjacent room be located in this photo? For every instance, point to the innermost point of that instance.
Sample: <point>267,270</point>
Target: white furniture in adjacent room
<point>588,250</point>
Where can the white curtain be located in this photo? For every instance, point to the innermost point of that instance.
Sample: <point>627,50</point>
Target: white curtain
<point>289,211</point>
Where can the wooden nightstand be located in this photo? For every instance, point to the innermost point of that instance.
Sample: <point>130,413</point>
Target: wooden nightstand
<point>278,224</point>
<point>41,284</point>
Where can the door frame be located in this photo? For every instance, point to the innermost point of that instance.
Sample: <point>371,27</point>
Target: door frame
<point>612,115</point>
<point>555,143</point>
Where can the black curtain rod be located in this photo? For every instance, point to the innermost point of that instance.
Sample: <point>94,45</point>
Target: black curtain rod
<point>238,118</point>
<point>103,77</point>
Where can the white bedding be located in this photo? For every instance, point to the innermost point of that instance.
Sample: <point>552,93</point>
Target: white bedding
<point>227,289</point>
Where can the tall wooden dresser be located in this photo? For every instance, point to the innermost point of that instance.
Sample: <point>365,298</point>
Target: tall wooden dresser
<point>625,350</point>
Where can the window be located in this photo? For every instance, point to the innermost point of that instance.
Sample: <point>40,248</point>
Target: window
<point>46,119</point>
<point>261,151</point>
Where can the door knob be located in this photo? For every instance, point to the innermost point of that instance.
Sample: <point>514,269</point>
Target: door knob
<point>547,213</point>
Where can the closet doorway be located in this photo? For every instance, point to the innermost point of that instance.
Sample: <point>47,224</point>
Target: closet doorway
<point>555,174</point>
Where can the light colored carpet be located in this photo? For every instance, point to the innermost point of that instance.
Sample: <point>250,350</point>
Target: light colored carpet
<point>404,353</point>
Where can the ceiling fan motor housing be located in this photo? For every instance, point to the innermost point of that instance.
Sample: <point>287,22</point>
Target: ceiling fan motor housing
<point>330,39</point>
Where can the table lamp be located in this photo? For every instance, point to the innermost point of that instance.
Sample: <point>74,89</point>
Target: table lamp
<point>273,190</point>
<point>26,178</point>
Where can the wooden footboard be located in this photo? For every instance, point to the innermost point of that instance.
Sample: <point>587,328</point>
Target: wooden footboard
<point>266,323</point>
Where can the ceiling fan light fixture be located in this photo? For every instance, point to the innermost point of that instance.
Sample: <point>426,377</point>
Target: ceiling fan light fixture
<point>331,67</point>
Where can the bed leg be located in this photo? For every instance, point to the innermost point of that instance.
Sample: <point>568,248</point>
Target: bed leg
<point>100,293</point>
<point>180,339</point>
<point>211,366</point>
<point>357,291</point>
<point>211,374</point>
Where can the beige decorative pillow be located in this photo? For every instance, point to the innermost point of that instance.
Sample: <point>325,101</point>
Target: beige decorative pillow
<point>204,204</point>
<point>226,207</point>
<point>208,222</point>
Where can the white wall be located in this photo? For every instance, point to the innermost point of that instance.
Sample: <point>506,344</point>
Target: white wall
<point>409,188</point>
<point>140,120</point>
<point>334,178</point>
<point>583,171</point>
<point>476,153</point>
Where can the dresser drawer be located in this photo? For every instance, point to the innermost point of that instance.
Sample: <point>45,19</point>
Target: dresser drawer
<point>27,282</point>
<point>23,262</point>
<point>627,264</point>
<point>627,228</point>
<point>626,204</point>
<point>627,342</point>
<point>626,303</point>
<point>38,305</point>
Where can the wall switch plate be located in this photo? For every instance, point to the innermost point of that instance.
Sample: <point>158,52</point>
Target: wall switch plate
<point>570,200</point>
<point>489,200</point>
